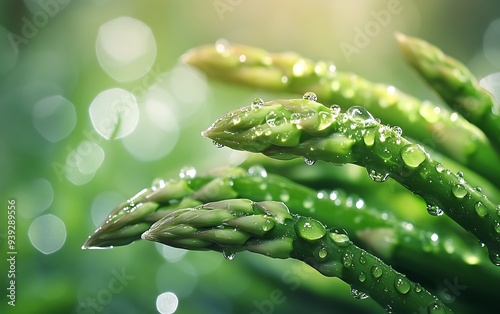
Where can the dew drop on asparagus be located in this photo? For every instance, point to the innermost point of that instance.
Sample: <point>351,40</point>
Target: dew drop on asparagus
<point>397,130</point>
<point>481,209</point>
<point>378,176</point>
<point>228,254</point>
<point>310,96</point>
<point>187,173</point>
<point>434,210</point>
<point>376,271</point>
<point>340,239</point>
<point>309,229</point>
<point>360,115</point>
<point>257,103</point>
<point>402,285</point>
<point>412,155</point>
<point>217,145</point>
<point>309,162</point>
<point>358,294</point>
<point>347,259</point>
<point>362,276</point>
<point>459,191</point>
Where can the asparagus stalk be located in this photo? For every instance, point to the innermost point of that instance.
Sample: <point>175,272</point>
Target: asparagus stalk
<point>268,228</point>
<point>428,123</point>
<point>456,85</point>
<point>285,129</point>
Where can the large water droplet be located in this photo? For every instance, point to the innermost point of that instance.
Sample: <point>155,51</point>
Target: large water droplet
<point>309,162</point>
<point>413,155</point>
<point>481,209</point>
<point>295,118</point>
<point>228,254</point>
<point>494,257</point>
<point>322,253</point>
<point>257,103</point>
<point>187,173</point>
<point>439,167</point>
<point>377,272</point>
<point>310,96</point>
<point>402,285</point>
<point>396,129</point>
<point>325,120</point>
<point>378,176</point>
<point>340,239</point>
<point>216,144</point>
<point>358,294</point>
<point>360,115</point>
<point>309,229</point>
<point>369,137</point>
<point>436,308</point>
<point>335,109</point>
<point>459,191</point>
<point>434,210</point>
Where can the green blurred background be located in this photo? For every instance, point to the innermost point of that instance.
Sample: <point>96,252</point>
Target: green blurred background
<point>94,105</point>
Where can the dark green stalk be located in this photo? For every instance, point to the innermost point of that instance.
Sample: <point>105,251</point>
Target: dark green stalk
<point>286,129</point>
<point>428,123</point>
<point>268,228</point>
<point>458,87</point>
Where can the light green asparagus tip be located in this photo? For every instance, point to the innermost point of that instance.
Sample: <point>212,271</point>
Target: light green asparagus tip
<point>268,228</point>
<point>285,129</point>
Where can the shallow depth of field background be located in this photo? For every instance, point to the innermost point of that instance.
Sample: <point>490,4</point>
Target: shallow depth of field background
<point>94,105</point>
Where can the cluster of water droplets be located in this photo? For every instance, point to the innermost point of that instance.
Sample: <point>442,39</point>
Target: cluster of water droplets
<point>187,173</point>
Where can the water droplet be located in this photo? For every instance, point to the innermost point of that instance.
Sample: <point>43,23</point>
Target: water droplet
<point>335,109</point>
<point>322,253</point>
<point>434,210</point>
<point>257,171</point>
<point>459,191</point>
<point>369,137</point>
<point>498,210</point>
<point>378,176</point>
<point>340,239</point>
<point>309,229</point>
<point>362,259</point>
<point>268,225</point>
<point>187,173</point>
<point>295,118</point>
<point>228,254</point>
<point>221,45</point>
<point>158,184</point>
<point>496,227</point>
<point>325,120</point>
<point>347,259</point>
<point>418,288</point>
<point>402,285</point>
<point>309,162</point>
<point>310,96</point>
<point>360,115</point>
<point>460,175</point>
<point>358,294</point>
<point>218,145</point>
<point>397,130</point>
<point>257,103</point>
<point>494,258</point>
<point>362,276</point>
<point>436,308</point>
<point>377,271</point>
<point>274,119</point>
<point>481,209</point>
<point>440,167</point>
<point>478,189</point>
<point>236,119</point>
<point>413,155</point>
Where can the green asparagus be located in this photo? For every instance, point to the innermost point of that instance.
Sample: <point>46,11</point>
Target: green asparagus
<point>458,87</point>
<point>268,228</point>
<point>428,123</point>
<point>302,127</point>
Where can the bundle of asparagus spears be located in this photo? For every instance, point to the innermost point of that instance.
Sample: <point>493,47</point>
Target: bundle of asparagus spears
<point>420,158</point>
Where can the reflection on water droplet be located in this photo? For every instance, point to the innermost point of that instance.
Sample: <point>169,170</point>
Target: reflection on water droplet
<point>360,115</point>
<point>167,303</point>
<point>436,308</point>
<point>347,259</point>
<point>376,271</point>
<point>335,110</point>
<point>440,167</point>
<point>397,130</point>
<point>228,254</point>
<point>309,229</point>
<point>402,285</point>
<point>322,253</point>
<point>481,209</point>
<point>309,162</point>
<point>494,257</point>
<point>358,294</point>
<point>340,239</point>
<point>310,96</point>
<point>362,276</point>
<point>459,191</point>
<point>434,210</point>
<point>413,155</point>
<point>257,103</point>
<point>216,144</point>
<point>378,176</point>
<point>274,119</point>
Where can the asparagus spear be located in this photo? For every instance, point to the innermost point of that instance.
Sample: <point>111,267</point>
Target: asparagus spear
<point>268,228</point>
<point>458,87</point>
<point>285,129</point>
<point>428,123</point>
